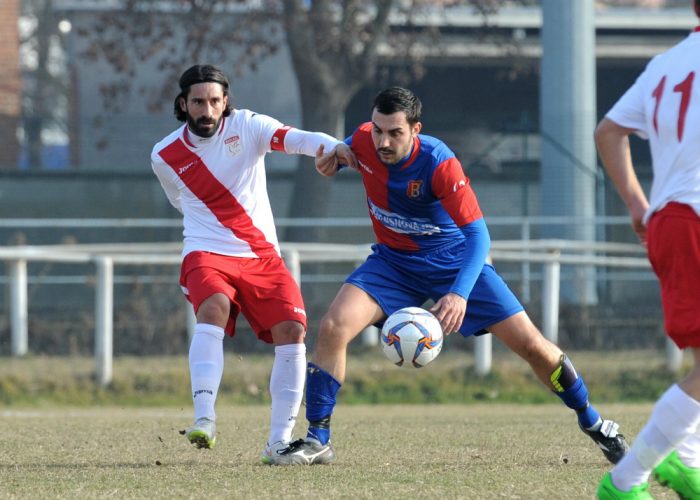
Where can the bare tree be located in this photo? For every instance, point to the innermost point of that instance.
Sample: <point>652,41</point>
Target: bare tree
<point>335,48</point>
<point>10,84</point>
<point>332,61</point>
<point>45,89</point>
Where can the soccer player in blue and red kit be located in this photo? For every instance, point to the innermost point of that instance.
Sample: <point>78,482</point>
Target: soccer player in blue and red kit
<point>432,243</point>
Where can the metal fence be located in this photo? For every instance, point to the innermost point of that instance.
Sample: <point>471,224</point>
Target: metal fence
<point>551,254</point>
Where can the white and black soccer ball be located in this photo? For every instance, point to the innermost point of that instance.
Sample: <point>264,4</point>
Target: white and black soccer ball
<point>411,337</point>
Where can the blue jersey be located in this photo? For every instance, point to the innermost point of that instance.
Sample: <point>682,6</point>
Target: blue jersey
<point>432,239</point>
<point>419,203</point>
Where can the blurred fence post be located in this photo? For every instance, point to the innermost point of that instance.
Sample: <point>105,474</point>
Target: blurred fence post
<point>674,356</point>
<point>104,310</point>
<point>370,336</point>
<point>291,258</point>
<point>18,306</point>
<point>525,266</point>
<point>191,321</point>
<point>483,353</point>
<point>550,297</point>
<point>483,350</point>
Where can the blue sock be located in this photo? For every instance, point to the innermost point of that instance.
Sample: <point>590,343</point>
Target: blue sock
<point>572,390</point>
<point>576,398</point>
<point>321,389</point>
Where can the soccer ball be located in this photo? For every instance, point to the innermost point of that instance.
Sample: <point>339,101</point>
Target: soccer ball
<point>411,336</point>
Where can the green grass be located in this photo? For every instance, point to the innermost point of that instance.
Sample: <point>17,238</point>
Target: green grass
<point>620,376</point>
<point>472,451</point>
<point>471,438</point>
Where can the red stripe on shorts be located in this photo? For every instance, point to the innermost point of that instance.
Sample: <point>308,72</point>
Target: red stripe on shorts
<point>199,179</point>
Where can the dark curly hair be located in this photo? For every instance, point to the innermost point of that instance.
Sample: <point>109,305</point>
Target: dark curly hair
<point>199,73</point>
<point>395,99</point>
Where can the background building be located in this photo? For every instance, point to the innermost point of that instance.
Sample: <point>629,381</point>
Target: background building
<point>481,94</point>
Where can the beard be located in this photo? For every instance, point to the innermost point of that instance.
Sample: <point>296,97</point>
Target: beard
<point>392,157</point>
<point>387,156</point>
<point>203,127</point>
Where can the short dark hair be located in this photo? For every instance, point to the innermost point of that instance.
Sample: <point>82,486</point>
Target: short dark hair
<point>395,99</point>
<point>199,73</point>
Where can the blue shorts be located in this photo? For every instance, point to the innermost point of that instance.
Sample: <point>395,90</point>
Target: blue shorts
<point>396,279</point>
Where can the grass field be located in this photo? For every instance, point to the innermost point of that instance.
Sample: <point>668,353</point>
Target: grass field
<point>500,436</point>
<point>423,451</point>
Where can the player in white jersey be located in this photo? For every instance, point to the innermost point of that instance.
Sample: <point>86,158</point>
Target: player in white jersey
<point>663,106</point>
<point>212,170</point>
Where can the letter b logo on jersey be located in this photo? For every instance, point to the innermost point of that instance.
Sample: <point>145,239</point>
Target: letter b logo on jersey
<point>414,189</point>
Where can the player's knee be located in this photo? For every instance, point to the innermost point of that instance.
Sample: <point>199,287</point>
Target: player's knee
<point>328,325</point>
<point>694,373</point>
<point>332,332</point>
<point>538,351</point>
<point>288,332</point>
<point>214,310</point>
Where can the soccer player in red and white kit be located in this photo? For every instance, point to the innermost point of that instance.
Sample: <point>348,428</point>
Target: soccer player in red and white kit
<point>663,106</point>
<point>212,170</point>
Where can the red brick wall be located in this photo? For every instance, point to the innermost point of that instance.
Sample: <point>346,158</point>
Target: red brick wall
<point>10,83</point>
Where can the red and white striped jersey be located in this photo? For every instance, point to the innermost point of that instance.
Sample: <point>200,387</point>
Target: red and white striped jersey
<point>219,183</point>
<point>663,106</point>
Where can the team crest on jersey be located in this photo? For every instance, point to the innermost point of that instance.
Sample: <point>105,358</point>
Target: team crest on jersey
<point>414,189</point>
<point>233,145</point>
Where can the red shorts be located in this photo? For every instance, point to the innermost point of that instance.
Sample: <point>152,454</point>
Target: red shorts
<point>673,242</point>
<point>262,289</point>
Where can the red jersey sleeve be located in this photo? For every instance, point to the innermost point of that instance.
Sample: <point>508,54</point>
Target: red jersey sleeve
<point>453,189</point>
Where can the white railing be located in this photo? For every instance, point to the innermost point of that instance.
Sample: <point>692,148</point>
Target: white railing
<point>527,227</point>
<point>550,253</point>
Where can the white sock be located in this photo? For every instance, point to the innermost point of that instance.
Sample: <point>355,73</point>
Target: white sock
<point>676,416</point>
<point>689,450</point>
<point>206,368</point>
<point>286,390</point>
